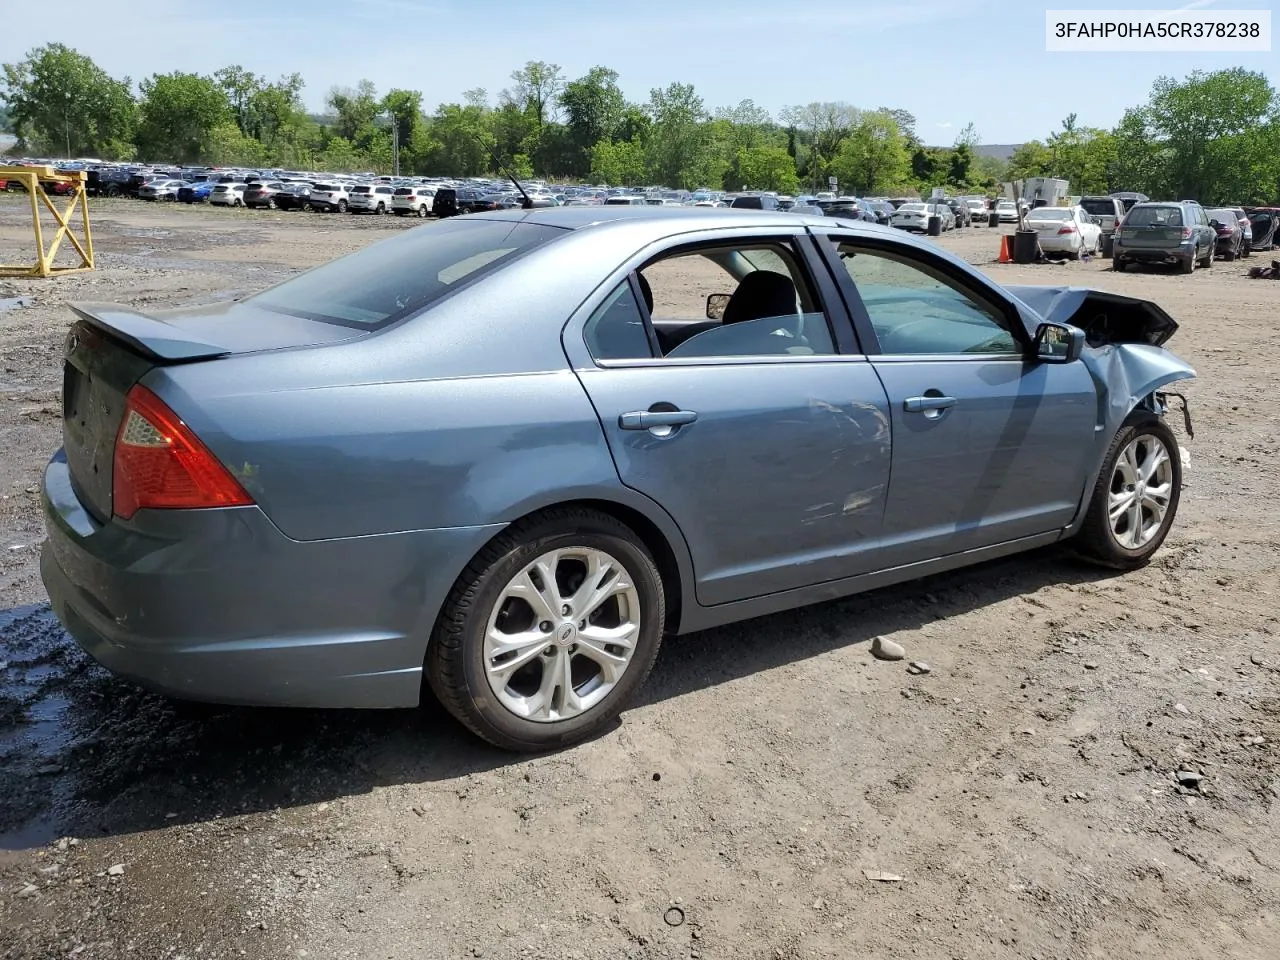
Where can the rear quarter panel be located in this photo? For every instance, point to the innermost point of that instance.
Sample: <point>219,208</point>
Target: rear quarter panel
<point>468,414</point>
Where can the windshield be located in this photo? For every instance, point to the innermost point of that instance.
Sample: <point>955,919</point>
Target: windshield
<point>1099,208</point>
<point>392,279</point>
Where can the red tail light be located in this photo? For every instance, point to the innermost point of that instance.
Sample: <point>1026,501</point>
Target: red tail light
<point>1066,230</point>
<point>160,464</point>
<point>1186,233</point>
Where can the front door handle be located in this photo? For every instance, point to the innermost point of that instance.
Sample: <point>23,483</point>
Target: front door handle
<point>648,419</point>
<point>925,404</point>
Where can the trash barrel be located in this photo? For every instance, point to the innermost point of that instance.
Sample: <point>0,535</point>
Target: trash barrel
<point>993,219</point>
<point>1024,246</point>
<point>935,226</point>
<point>1108,244</point>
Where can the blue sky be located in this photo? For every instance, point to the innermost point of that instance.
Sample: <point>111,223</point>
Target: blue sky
<point>947,61</point>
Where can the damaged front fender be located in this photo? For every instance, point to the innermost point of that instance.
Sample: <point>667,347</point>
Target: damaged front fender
<point>1125,355</point>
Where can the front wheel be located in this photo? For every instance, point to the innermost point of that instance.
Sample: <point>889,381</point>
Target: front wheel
<point>1136,496</point>
<point>549,632</point>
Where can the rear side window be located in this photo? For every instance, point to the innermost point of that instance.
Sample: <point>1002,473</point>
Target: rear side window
<point>616,330</point>
<point>390,280</point>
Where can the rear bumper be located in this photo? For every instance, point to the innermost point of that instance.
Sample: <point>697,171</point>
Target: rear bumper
<point>219,605</point>
<point>1054,243</point>
<point>1154,254</point>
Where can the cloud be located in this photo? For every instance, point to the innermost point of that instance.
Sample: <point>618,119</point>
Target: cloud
<point>943,125</point>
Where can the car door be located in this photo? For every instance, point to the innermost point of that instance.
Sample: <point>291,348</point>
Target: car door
<point>766,440</point>
<point>989,446</point>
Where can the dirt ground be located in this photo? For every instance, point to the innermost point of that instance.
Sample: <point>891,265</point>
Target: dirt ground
<point>777,794</point>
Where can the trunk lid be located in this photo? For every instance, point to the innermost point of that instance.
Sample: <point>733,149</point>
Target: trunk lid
<point>109,348</point>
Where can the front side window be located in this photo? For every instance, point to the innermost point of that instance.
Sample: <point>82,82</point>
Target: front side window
<point>917,309</point>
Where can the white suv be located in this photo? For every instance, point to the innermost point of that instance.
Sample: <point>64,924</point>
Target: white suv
<point>328,196</point>
<point>415,200</point>
<point>227,195</point>
<point>371,197</point>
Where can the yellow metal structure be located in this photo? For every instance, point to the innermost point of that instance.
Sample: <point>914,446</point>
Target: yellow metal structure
<point>34,178</point>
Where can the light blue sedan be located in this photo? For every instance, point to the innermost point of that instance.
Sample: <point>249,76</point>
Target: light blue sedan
<point>501,456</point>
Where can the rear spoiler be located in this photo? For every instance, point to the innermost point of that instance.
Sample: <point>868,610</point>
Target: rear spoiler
<point>151,337</point>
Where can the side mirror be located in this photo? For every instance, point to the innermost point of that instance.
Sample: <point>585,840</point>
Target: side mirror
<point>1058,343</point>
<point>716,304</point>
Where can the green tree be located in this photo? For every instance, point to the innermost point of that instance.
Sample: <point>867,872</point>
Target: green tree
<point>180,113</point>
<point>1031,159</point>
<point>618,162</point>
<point>1215,135</point>
<point>1083,156</point>
<point>536,90</point>
<point>354,110</point>
<point>464,141</point>
<point>594,108</point>
<point>906,122</point>
<point>60,101</point>
<point>675,146</point>
<point>822,127</point>
<point>240,85</point>
<point>766,168</point>
<point>874,159</point>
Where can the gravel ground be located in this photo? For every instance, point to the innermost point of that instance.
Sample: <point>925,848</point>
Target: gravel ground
<point>777,793</point>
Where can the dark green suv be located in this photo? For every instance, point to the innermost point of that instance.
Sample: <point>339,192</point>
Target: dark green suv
<point>1175,232</point>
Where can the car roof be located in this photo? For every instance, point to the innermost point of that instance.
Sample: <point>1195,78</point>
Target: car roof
<point>665,219</point>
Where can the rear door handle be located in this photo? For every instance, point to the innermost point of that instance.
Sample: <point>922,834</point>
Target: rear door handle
<point>648,419</point>
<point>922,404</point>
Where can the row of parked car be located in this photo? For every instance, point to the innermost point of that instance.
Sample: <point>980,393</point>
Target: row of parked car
<point>1134,229</point>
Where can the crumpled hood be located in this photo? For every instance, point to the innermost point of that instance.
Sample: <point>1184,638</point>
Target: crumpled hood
<point>1104,317</point>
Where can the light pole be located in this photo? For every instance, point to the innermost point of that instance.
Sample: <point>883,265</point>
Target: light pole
<point>395,144</point>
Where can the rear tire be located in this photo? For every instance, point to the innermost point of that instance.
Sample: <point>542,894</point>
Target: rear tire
<point>460,660</point>
<point>1207,260</point>
<point>1118,265</point>
<point>1110,542</point>
<point>1188,265</point>
<point>422,213</point>
<point>342,206</point>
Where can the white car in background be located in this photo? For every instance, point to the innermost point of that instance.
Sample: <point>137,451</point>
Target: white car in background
<point>228,194</point>
<point>978,211</point>
<point>1066,230</point>
<point>1008,211</point>
<point>329,196</point>
<point>371,197</point>
<point>416,200</point>
<point>911,216</point>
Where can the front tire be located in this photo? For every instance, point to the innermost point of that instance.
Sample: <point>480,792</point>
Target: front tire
<point>549,631</point>
<point>1136,496</point>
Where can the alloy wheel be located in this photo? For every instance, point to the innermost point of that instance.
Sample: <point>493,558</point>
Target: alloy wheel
<point>1141,490</point>
<point>561,634</point>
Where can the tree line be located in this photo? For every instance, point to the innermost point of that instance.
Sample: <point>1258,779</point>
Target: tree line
<point>1211,136</point>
